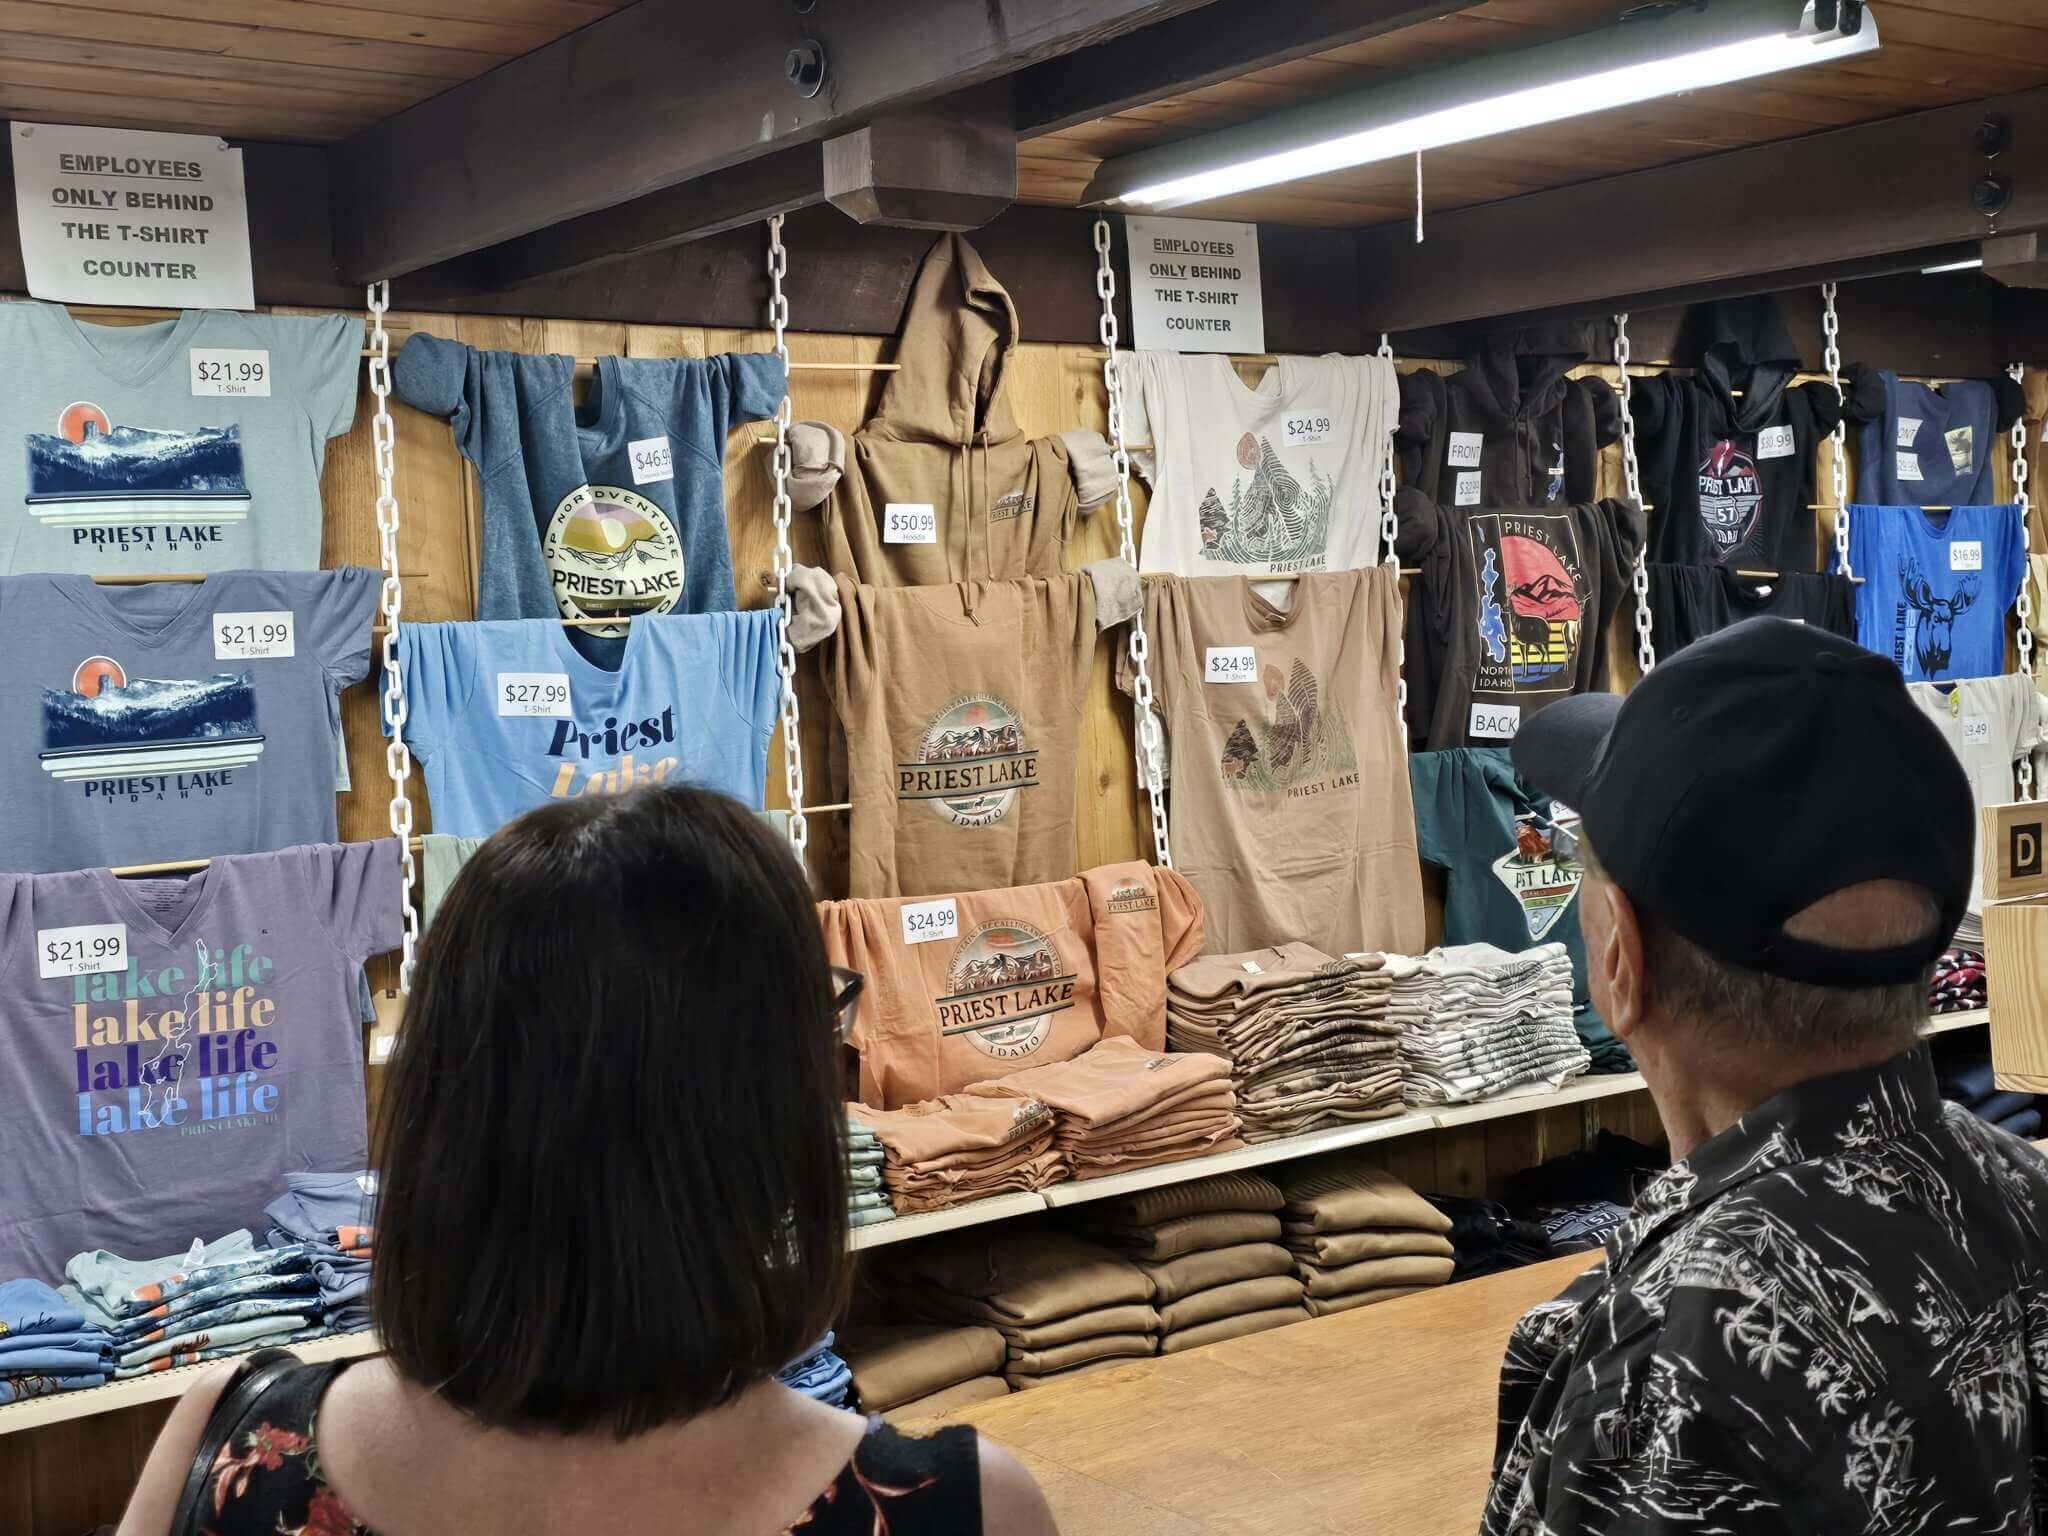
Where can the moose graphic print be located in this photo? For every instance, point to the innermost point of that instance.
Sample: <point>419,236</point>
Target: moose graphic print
<point>1928,617</point>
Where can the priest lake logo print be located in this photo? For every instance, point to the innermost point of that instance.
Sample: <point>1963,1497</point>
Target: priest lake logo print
<point>1300,743</point>
<point>611,554</point>
<point>1005,982</point>
<point>1271,519</point>
<point>972,762</point>
<point>1731,497</point>
<point>1540,878</point>
<point>90,473</point>
<point>126,737</point>
<point>1532,602</point>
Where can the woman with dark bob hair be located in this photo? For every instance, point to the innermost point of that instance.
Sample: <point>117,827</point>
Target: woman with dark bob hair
<point>612,1206</point>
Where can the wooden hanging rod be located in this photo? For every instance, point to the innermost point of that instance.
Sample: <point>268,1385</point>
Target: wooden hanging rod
<point>1817,506</point>
<point>591,362</point>
<point>1777,576</point>
<point>192,578</point>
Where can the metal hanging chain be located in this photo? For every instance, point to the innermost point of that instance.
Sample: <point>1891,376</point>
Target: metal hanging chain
<point>397,755</point>
<point>1390,531</point>
<point>785,653</point>
<point>2025,606</point>
<point>1149,770</point>
<point>1632,474</point>
<point>1831,327</point>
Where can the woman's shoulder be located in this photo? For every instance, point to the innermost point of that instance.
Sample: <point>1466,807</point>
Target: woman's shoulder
<point>948,1481</point>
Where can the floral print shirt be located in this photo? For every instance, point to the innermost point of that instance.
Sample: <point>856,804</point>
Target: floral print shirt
<point>1831,1318</point>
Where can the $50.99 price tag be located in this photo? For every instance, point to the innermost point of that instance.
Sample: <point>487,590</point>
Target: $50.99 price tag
<point>1230,664</point>
<point>252,636</point>
<point>81,951</point>
<point>925,921</point>
<point>533,694</point>
<point>909,522</point>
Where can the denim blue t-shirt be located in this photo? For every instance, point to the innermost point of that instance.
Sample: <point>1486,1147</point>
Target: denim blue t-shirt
<point>613,508</point>
<point>1931,447</point>
<point>1936,587</point>
<point>691,702</point>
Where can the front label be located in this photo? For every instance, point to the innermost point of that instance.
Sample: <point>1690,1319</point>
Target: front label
<point>1962,449</point>
<point>1966,555</point>
<point>1909,428</point>
<point>1230,664</point>
<point>1005,983</point>
<point>972,762</point>
<point>1302,429</point>
<point>1465,448</point>
<point>265,636</point>
<point>1542,881</point>
<point>651,460</point>
<point>1909,466</point>
<point>910,522</point>
<point>534,695</point>
<point>240,372</point>
<point>85,950</point>
<point>1774,443</point>
<point>925,921</point>
<point>611,553</point>
<point>1468,488</point>
<point>1976,730</point>
<point>1495,722</point>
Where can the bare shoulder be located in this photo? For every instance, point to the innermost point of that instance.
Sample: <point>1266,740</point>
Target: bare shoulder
<point>1011,1501</point>
<point>155,1499</point>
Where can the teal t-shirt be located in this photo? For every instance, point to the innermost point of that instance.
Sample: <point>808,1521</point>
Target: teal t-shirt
<point>1504,884</point>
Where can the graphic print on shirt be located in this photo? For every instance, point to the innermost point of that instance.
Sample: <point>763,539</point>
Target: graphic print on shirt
<point>127,738</point>
<point>1302,744</point>
<point>1272,519</point>
<point>1928,618</point>
<point>1731,497</point>
<point>972,761</point>
<point>1132,896</point>
<point>1538,877</point>
<point>1004,982</point>
<point>1011,505</point>
<point>611,553</point>
<point>124,487</point>
<point>1531,640</point>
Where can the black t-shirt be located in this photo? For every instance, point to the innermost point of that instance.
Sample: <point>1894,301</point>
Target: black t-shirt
<point>1689,602</point>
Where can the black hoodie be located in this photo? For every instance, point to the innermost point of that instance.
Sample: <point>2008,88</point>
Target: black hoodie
<point>1510,430</point>
<point>1730,480</point>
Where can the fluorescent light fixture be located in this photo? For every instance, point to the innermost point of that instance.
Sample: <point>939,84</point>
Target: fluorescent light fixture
<point>1630,62</point>
<point>1954,266</point>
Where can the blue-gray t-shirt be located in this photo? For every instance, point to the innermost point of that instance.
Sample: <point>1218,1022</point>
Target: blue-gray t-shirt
<point>145,727</point>
<point>1931,447</point>
<point>613,508</point>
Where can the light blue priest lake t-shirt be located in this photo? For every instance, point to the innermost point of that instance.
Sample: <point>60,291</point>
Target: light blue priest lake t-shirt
<point>1936,586</point>
<point>192,444</point>
<point>508,715</point>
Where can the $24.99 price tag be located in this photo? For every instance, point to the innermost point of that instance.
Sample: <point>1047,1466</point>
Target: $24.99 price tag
<point>909,522</point>
<point>1230,664</point>
<point>533,694</point>
<point>253,636</point>
<point>925,921</point>
<point>82,951</point>
<point>1303,429</point>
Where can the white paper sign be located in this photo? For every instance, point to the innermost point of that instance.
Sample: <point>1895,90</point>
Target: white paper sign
<point>1774,443</point>
<point>925,921</point>
<point>116,216</point>
<point>1465,448</point>
<point>1230,664</point>
<point>1304,429</point>
<point>1468,488</point>
<point>909,522</point>
<point>650,460</point>
<point>82,951</point>
<point>1495,722</point>
<point>534,695</point>
<point>1966,555</point>
<point>1195,285</point>
<point>264,636</point>
<point>235,372</point>
<point>1909,428</point>
<point>1909,466</point>
<point>1976,730</point>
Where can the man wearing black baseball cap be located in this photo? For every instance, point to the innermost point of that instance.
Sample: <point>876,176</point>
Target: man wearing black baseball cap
<point>1831,1314</point>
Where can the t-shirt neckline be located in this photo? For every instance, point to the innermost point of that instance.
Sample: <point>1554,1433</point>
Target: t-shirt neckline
<point>586,670</point>
<point>1264,616</point>
<point>101,602</point>
<point>120,896</point>
<point>151,363</point>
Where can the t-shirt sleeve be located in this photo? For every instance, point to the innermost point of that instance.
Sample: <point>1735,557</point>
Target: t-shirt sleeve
<point>1075,595</point>
<point>1420,525</point>
<point>747,663</point>
<point>2012,564</point>
<point>435,375</point>
<point>330,350</point>
<point>1429,782</point>
<point>1142,413</point>
<point>354,891</point>
<point>1415,429</point>
<point>1653,402</point>
<point>439,664</point>
<point>1605,404</point>
<point>337,621</point>
<point>755,383</point>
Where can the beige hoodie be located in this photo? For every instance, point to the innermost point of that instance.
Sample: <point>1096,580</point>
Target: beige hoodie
<point>944,440</point>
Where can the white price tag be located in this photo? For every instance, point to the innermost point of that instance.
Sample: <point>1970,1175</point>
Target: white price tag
<point>1468,488</point>
<point>1909,428</point>
<point>82,951</point>
<point>1962,449</point>
<point>237,371</point>
<point>534,694</point>
<point>1909,466</point>
<point>1230,664</point>
<point>253,636</point>
<point>1559,811</point>
<point>1304,429</point>
<point>380,1049</point>
<point>1976,730</point>
<point>1966,555</point>
<point>1253,966</point>
<point>926,921</point>
<point>367,1183</point>
<point>1774,443</point>
<point>1495,722</point>
<point>651,460</point>
<point>1465,448</point>
<point>910,522</point>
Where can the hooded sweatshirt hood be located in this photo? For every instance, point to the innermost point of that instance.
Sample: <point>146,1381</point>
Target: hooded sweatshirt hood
<point>1519,375</point>
<point>957,334</point>
<point>1746,347</point>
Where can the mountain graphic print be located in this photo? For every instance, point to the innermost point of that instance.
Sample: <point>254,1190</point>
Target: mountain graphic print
<point>1271,519</point>
<point>1302,738</point>
<point>108,724</point>
<point>90,471</point>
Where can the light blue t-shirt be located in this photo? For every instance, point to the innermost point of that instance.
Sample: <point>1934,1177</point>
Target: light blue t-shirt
<point>691,702</point>
<point>1936,587</point>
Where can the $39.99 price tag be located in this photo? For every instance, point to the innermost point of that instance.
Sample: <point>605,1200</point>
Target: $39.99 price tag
<point>925,921</point>
<point>533,694</point>
<point>253,636</point>
<point>82,951</point>
<point>237,372</point>
<point>1495,722</point>
<point>1303,429</point>
<point>909,522</point>
<point>1230,664</point>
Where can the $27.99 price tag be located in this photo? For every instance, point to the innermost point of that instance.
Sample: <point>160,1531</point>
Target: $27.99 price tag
<point>253,636</point>
<point>1230,664</point>
<point>925,921</point>
<point>909,522</point>
<point>533,694</point>
<point>82,951</point>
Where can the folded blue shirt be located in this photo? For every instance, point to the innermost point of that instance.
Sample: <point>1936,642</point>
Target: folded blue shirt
<point>14,1389</point>
<point>29,1306</point>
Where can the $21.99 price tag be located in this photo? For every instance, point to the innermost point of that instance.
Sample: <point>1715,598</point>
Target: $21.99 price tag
<point>537,695</point>
<point>82,951</point>
<point>237,372</point>
<point>925,921</point>
<point>1230,664</point>
<point>909,522</point>
<point>253,636</point>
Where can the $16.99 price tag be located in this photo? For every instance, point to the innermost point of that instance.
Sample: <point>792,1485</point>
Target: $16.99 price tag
<point>924,921</point>
<point>909,522</point>
<point>533,694</point>
<point>252,636</point>
<point>82,951</point>
<point>1230,664</point>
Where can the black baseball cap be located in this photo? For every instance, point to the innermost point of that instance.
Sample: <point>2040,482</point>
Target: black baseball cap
<point>1753,773</point>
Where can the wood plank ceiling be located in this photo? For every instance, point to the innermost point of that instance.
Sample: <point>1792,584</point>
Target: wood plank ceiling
<point>1935,53</point>
<point>259,69</point>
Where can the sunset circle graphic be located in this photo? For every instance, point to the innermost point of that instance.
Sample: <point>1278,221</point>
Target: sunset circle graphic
<point>79,415</point>
<point>95,675</point>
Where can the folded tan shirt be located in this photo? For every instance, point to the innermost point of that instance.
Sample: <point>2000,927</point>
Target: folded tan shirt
<point>1111,1081</point>
<point>1191,1272</point>
<point>1323,1306</point>
<point>1230,1328</point>
<point>1343,1196</point>
<point>1101,1346</point>
<point>1129,1317</point>
<point>1190,1234</point>
<point>895,1364</point>
<point>1220,1192</point>
<point>1016,1277</point>
<point>1332,1249</point>
<point>1234,1300</point>
<point>1375,1275</point>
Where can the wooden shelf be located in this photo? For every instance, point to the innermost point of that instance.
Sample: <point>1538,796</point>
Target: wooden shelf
<point>1942,1023</point>
<point>972,1214</point>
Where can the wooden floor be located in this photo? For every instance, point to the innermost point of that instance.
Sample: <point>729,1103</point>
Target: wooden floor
<point>1375,1421</point>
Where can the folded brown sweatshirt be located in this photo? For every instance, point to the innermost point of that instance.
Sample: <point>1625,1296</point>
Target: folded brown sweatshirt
<point>899,1363</point>
<point>1129,1317</point>
<point>1342,1196</point>
<point>1234,1300</point>
<point>1332,1249</point>
<point>1375,1275</point>
<point>1016,1278</point>
<point>1324,1306</point>
<point>1191,1272</point>
<point>1230,1328</point>
<point>1219,1192</point>
<point>1101,1346</point>
<point>1189,1234</point>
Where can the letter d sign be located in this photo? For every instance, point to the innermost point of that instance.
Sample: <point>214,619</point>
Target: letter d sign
<point>2026,849</point>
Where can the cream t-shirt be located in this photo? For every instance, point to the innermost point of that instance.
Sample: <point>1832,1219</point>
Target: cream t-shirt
<point>1990,724</point>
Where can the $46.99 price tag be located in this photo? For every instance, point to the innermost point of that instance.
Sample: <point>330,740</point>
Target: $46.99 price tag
<point>909,522</point>
<point>925,921</point>
<point>253,636</point>
<point>651,460</point>
<point>533,694</point>
<point>1230,664</point>
<point>82,951</point>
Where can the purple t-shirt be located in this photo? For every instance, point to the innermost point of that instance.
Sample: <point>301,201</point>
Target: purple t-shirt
<point>168,1100</point>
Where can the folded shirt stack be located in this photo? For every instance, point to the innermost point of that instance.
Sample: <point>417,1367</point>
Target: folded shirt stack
<point>335,1216</point>
<point>1966,1078</point>
<point>820,1374</point>
<point>962,1147</point>
<point>1477,1020</point>
<point>1208,1251</point>
<point>914,1370</point>
<point>47,1345</point>
<point>1959,983</point>
<point>1359,1235</point>
<point>215,1299</point>
<point>867,1202</point>
<point>1062,1305</point>
<point>1118,1105</point>
<point>1308,1036</point>
<point>1488,1238</point>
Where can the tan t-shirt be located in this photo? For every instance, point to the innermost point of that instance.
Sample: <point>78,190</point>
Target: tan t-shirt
<point>1290,805</point>
<point>1033,975</point>
<point>960,707</point>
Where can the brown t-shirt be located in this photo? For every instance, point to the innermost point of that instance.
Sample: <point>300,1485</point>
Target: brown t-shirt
<point>1291,811</point>
<point>1033,975</point>
<point>960,707</point>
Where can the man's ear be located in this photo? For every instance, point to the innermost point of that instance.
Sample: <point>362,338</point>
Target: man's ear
<point>1621,962</point>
